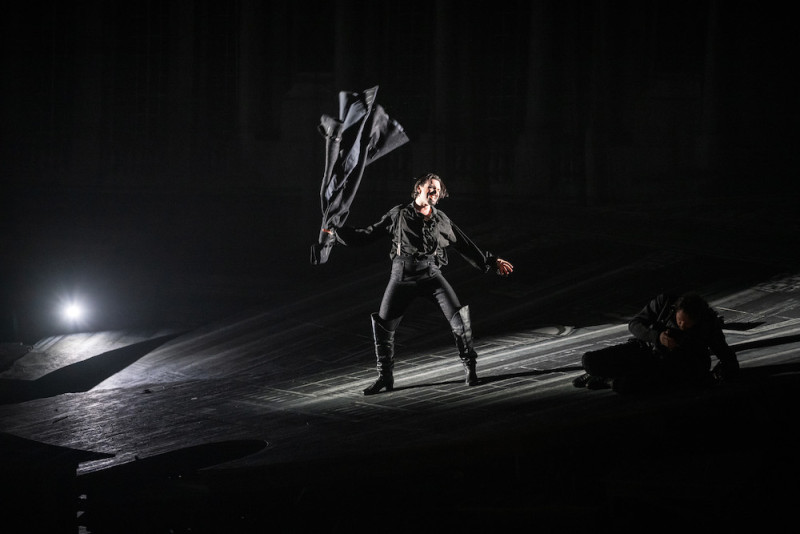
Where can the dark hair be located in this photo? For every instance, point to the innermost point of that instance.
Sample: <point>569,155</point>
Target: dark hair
<point>692,305</point>
<point>424,179</point>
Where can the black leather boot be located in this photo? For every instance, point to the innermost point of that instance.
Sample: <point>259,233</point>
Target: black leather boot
<point>384,352</point>
<point>462,331</point>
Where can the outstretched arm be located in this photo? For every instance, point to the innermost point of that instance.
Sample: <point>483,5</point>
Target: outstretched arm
<point>483,260</point>
<point>351,236</point>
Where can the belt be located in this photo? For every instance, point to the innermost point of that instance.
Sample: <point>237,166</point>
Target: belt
<point>412,259</point>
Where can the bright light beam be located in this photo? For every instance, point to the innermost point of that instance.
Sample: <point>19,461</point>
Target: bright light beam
<point>73,312</point>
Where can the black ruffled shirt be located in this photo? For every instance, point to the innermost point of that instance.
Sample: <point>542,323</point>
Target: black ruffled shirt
<point>419,238</point>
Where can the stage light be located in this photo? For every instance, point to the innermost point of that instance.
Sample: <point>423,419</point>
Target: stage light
<point>73,312</point>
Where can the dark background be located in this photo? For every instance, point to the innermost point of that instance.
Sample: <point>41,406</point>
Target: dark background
<point>155,151</point>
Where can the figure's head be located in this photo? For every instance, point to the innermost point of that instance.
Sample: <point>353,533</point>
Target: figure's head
<point>690,309</point>
<point>431,186</point>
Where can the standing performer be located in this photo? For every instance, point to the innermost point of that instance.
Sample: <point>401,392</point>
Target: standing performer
<point>420,234</point>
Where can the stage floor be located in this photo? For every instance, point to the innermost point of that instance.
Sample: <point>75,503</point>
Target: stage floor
<point>254,421</point>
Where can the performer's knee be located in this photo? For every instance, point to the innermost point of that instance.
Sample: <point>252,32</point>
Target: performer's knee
<point>390,324</point>
<point>588,359</point>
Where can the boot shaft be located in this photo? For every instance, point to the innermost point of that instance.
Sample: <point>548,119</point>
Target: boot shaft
<point>384,343</point>
<point>461,326</point>
<point>384,353</point>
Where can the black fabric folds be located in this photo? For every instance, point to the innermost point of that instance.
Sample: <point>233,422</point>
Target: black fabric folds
<point>361,134</point>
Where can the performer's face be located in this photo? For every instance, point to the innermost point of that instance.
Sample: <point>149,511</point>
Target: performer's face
<point>683,320</point>
<point>430,192</point>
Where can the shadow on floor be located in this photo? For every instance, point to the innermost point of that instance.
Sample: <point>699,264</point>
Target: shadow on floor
<point>38,483</point>
<point>689,458</point>
<point>78,377</point>
<point>42,491</point>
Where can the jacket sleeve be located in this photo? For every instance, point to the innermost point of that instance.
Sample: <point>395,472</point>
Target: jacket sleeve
<point>478,258</point>
<point>717,342</point>
<point>648,324</point>
<point>351,236</point>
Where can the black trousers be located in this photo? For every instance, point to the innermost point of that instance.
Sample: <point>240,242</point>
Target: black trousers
<point>411,279</point>
<point>635,366</point>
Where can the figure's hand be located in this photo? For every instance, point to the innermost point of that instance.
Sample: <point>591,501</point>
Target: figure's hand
<point>503,267</point>
<point>667,340</point>
<point>327,237</point>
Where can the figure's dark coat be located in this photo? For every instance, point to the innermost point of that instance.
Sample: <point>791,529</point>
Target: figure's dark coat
<point>363,133</point>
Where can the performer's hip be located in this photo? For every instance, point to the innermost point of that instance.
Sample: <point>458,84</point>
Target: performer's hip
<point>410,269</point>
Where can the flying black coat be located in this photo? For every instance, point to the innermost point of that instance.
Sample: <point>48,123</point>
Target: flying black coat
<point>363,133</point>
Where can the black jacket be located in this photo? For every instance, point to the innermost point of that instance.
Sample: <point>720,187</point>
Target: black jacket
<point>415,237</point>
<point>659,315</point>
